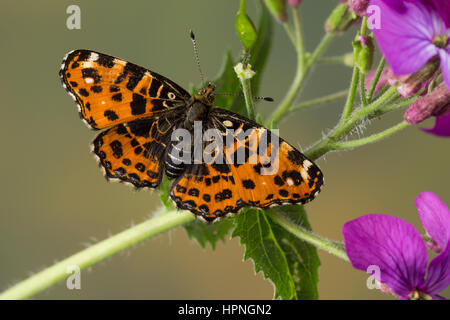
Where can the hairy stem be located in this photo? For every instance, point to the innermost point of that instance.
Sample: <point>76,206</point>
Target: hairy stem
<point>370,139</point>
<point>332,247</point>
<point>102,250</point>
<point>348,108</point>
<point>246,89</point>
<point>375,79</point>
<point>325,145</point>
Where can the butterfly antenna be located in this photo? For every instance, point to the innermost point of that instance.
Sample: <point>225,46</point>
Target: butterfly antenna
<point>197,59</point>
<point>240,95</point>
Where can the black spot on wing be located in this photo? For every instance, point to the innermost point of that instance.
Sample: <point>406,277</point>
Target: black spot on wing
<point>114,89</point>
<point>117,97</point>
<point>111,115</point>
<point>83,92</point>
<point>91,73</point>
<point>96,89</point>
<point>116,147</point>
<point>194,192</point>
<point>207,197</point>
<point>222,168</point>
<point>223,195</point>
<point>138,104</point>
<point>105,60</point>
<point>154,86</point>
<point>295,157</point>
<point>294,175</point>
<point>248,184</point>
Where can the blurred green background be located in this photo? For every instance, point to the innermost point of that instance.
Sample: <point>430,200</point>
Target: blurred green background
<point>54,199</point>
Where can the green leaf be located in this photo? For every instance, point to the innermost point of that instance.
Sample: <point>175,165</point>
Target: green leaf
<point>290,263</point>
<point>205,233</point>
<point>302,257</point>
<point>261,245</point>
<point>164,188</point>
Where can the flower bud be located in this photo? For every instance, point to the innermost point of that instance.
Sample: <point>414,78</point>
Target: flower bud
<point>363,50</point>
<point>294,3</point>
<point>359,6</point>
<point>245,28</point>
<point>436,103</point>
<point>278,9</point>
<point>244,72</point>
<point>432,245</point>
<point>416,81</point>
<point>340,19</point>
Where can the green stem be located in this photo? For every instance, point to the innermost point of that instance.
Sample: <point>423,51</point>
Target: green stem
<point>324,145</point>
<point>102,250</point>
<point>332,247</point>
<point>362,89</point>
<point>335,59</point>
<point>299,79</point>
<point>375,79</point>
<point>299,38</point>
<point>321,100</point>
<point>290,33</point>
<point>348,108</point>
<point>392,107</point>
<point>246,88</point>
<point>370,139</point>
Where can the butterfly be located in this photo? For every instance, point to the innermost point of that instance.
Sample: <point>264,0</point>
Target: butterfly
<point>140,110</point>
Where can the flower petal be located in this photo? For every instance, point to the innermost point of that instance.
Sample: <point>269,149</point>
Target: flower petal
<point>443,7</point>
<point>435,217</point>
<point>438,277</point>
<point>405,38</point>
<point>441,127</point>
<point>444,54</point>
<point>390,243</point>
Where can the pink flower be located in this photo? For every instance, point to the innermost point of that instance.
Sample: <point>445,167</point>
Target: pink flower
<point>294,3</point>
<point>358,6</point>
<point>412,33</point>
<point>398,250</point>
<point>441,127</point>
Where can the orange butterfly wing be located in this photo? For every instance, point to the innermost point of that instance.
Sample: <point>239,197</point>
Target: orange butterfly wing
<point>132,152</point>
<point>111,91</point>
<point>215,190</point>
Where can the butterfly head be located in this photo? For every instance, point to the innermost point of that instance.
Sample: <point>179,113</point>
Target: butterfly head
<point>206,95</point>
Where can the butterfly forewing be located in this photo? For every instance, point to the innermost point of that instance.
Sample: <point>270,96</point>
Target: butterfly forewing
<point>110,91</point>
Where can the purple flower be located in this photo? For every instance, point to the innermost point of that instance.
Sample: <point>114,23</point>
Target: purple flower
<point>412,33</point>
<point>398,250</point>
<point>441,127</point>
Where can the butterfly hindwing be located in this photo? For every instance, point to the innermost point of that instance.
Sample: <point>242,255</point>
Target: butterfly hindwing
<point>247,176</point>
<point>111,91</point>
<point>133,152</point>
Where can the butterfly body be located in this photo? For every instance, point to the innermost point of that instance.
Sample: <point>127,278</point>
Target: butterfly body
<point>141,111</point>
